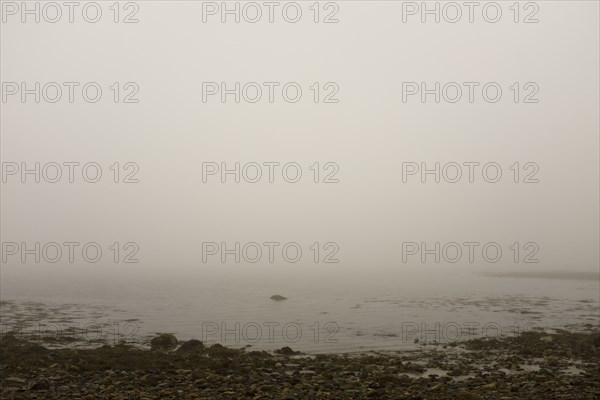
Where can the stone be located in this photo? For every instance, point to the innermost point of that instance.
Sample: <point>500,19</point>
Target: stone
<point>164,341</point>
<point>191,345</point>
<point>490,386</point>
<point>14,379</point>
<point>286,351</point>
<point>278,297</point>
<point>467,395</point>
<point>39,384</point>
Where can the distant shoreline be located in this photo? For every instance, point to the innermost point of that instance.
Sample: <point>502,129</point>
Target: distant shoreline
<point>570,275</point>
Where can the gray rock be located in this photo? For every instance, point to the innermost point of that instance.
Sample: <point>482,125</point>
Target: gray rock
<point>286,351</point>
<point>164,341</point>
<point>191,345</point>
<point>278,297</point>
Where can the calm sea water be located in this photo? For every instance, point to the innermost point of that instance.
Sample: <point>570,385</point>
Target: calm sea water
<point>328,311</point>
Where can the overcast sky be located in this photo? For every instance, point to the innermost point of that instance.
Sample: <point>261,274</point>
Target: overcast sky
<point>369,133</point>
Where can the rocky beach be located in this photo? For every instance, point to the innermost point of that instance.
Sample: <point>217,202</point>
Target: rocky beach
<point>533,365</point>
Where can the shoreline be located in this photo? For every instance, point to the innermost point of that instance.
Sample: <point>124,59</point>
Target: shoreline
<point>532,365</point>
<point>592,276</point>
<point>357,325</point>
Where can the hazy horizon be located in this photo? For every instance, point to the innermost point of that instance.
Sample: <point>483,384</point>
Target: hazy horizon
<point>364,216</point>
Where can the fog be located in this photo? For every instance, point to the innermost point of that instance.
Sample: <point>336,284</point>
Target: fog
<point>368,136</point>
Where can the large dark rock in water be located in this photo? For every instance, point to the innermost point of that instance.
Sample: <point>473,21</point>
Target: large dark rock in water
<point>164,341</point>
<point>191,345</point>
<point>277,297</point>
